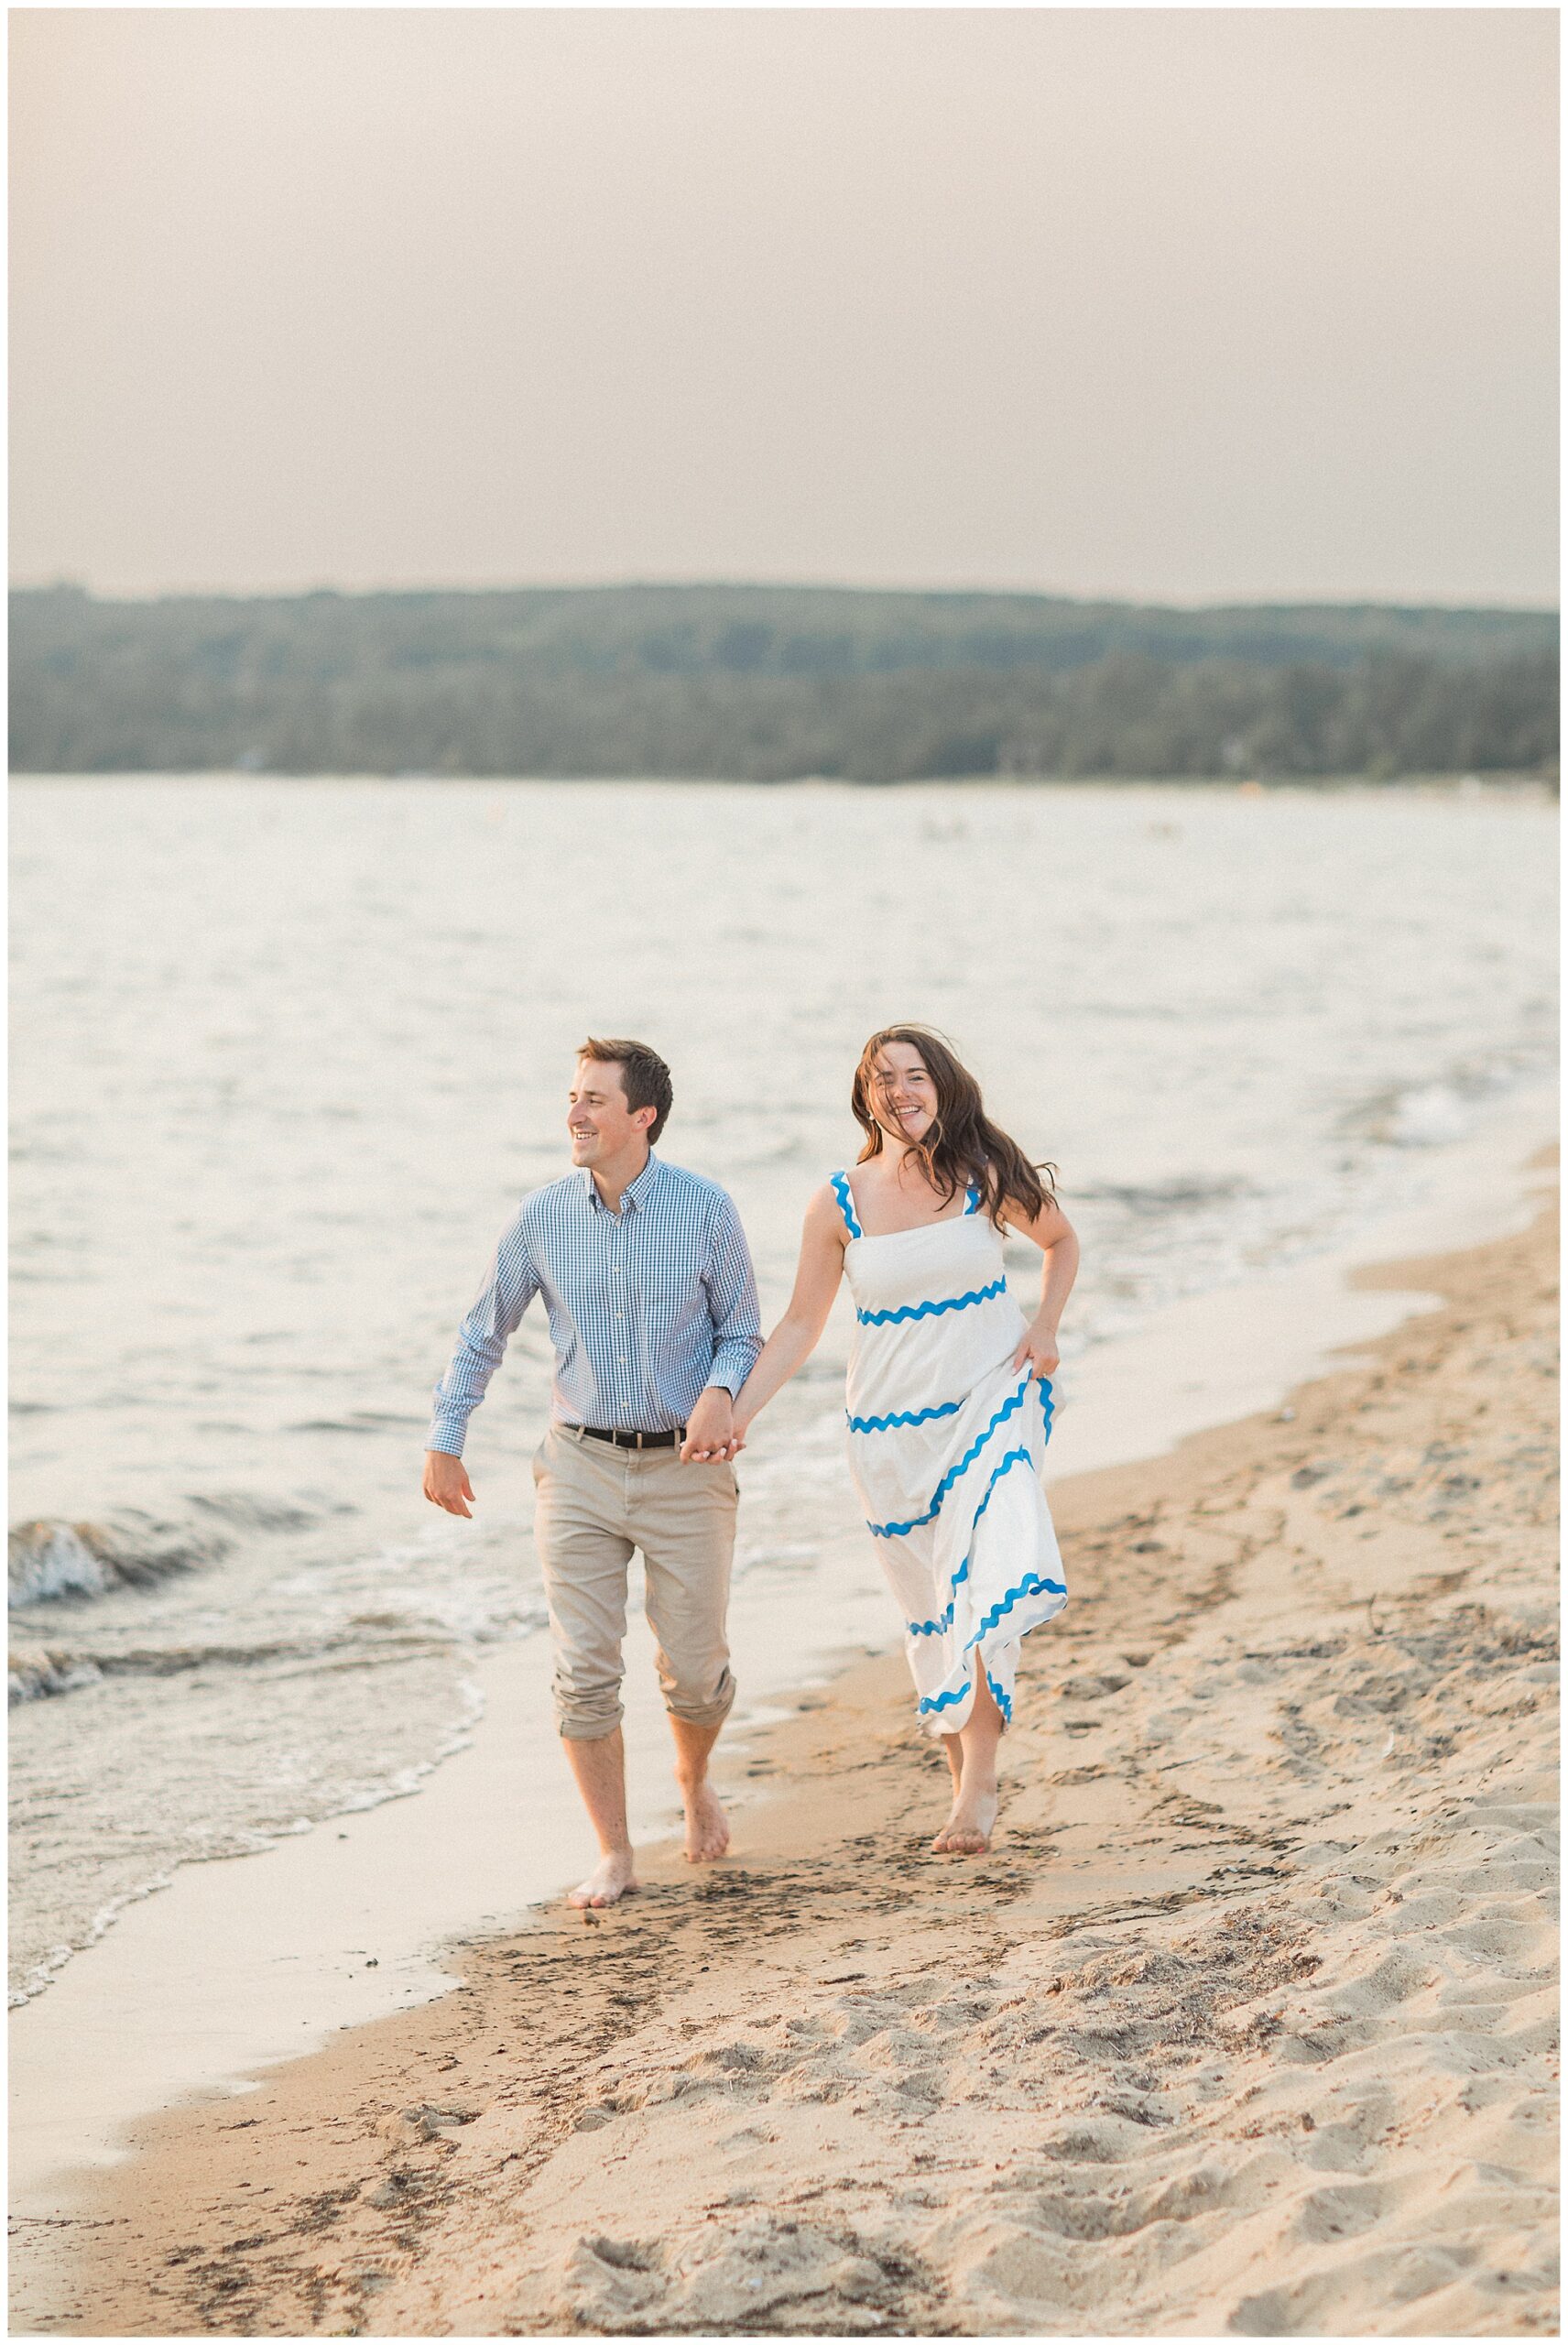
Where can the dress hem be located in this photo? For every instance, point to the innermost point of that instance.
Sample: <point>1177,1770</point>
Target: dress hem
<point>947,1707</point>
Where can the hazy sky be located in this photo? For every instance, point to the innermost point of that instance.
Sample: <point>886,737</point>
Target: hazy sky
<point>1187,303</point>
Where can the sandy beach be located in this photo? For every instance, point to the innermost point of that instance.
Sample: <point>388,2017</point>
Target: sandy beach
<point>1246,2024</point>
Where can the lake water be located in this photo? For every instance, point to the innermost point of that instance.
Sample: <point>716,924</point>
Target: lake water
<point>286,1053</point>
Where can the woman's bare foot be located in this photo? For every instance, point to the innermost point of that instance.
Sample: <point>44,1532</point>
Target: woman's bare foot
<point>967,1832</point>
<point>611,1878</point>
<point>707,1826</point>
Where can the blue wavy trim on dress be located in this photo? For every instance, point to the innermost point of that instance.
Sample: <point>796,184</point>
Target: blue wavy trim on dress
<point>1014,1457</point>
<point>903,1417</point>
<point>930,1628</point>
<point>840,1184</point>
<point>902,1530</point>
<point>1004,1701</point>
<point>932,1310</point>
<point>944,1701</point>
<point>1030,1585</point>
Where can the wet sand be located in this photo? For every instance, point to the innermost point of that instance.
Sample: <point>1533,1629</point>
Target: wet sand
<point>1246,2024</point>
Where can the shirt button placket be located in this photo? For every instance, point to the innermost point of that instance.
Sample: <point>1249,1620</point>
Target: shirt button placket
<point>630,1455</point>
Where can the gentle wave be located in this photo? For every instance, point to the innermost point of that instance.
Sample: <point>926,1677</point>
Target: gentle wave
<point>31,1676</point>
<point>50,1559</point>
<point>365,1640</point>
<point>1442,1108</point>
<point>54,1558</point>
<point>1161,1197</point>
<point>246,1513</point>
<point>418,1418</point>
<point>54,1669</point>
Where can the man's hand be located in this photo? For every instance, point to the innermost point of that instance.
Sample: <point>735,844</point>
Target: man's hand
<point>710,1431</point>
<point>446,1484</point>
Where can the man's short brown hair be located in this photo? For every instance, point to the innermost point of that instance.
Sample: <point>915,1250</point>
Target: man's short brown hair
<point>645,1078</point>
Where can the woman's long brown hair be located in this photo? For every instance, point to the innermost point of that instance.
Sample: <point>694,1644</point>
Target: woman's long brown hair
<point>961,1146</point>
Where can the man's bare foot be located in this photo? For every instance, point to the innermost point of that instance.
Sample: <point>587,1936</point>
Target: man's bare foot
<point>707,1826</point>
<point>611,1878</point>
<point>967,1832</point>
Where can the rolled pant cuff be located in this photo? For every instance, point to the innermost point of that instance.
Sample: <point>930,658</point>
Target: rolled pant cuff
<point>578,1722</point>
<point>577,1725</point>
<point>711,1713</point>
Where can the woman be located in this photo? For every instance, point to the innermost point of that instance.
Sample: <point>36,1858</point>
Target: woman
<point>949,1396</point>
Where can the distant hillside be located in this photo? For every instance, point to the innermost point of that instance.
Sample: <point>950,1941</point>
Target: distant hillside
<point>767,683</point>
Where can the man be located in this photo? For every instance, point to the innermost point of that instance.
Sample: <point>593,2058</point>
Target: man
<point>652,1301</point>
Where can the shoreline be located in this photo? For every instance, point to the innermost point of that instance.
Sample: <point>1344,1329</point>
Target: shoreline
<point>422,2152</point>
<point>1530,783</point>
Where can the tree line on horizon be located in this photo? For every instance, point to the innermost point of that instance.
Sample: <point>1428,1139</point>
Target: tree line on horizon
<point>774,683</point>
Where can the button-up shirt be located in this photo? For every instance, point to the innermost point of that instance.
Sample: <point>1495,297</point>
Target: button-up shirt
<point>647,1306</point>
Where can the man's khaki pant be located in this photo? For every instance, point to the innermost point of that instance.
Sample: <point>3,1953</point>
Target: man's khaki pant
<point>597,1503</point>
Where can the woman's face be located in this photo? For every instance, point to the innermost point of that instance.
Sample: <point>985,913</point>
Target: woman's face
<point>903,1095</point>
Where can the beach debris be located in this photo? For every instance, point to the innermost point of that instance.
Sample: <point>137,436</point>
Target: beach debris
<point>424,2122</point>
<point>621,2254</point>
<point>395,2191</point>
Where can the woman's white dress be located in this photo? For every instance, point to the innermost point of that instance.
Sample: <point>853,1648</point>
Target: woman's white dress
<point>946,1445</point>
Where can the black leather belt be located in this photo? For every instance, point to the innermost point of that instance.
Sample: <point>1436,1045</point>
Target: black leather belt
<point>631,1440</point>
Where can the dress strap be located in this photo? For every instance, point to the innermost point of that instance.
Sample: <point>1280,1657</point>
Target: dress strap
<point>840,1184</point>
<point>973,1204</point>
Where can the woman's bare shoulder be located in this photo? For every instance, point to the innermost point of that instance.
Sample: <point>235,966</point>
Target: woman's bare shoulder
<point>1045,1227</point>
<point>824,1209</point>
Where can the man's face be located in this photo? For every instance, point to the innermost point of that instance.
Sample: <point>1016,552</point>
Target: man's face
<point>598,1119</point>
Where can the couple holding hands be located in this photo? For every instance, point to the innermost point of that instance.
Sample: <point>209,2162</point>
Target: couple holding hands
<point>661,1369</point>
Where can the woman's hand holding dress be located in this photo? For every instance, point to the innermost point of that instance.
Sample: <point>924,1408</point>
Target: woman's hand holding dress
<point>1037,1351</point>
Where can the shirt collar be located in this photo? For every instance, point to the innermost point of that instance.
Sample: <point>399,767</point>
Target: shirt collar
<point>635,1193</point>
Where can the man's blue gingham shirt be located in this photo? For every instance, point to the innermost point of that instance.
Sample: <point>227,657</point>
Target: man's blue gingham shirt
<point>646,1306</point>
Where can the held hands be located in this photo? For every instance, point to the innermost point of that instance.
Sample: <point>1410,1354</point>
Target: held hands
<point>446,1483</point>
<point>710,1431</point>
<point>1039,1351</point>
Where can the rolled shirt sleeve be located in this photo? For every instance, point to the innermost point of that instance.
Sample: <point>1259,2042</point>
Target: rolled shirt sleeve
<point>510,1286</point>
<point>731,1284</point>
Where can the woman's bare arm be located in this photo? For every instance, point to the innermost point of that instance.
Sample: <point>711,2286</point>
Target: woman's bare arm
<point>1054,1234</point>
<point>798,1334</point>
